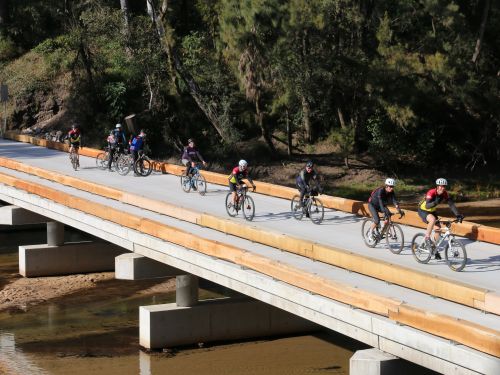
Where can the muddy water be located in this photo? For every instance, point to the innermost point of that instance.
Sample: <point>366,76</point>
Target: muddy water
<point>96,332</point>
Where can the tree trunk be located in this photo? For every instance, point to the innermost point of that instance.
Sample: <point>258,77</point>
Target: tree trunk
<point>262,125</point>
<point>306,119</point>
<point>288,133</point>
<point>4,12</point>
<point>341,118</point>
<point>479,41</point>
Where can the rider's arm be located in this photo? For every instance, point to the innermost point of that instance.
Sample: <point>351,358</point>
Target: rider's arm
<point>432,202</point>
<point>453,208</point>
<point>199,156</point>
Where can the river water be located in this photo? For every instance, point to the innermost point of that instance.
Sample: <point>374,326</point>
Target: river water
<point>96,332</point>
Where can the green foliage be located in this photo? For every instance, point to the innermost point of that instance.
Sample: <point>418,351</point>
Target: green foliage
<point>8,49</point>
<point>115,93</point>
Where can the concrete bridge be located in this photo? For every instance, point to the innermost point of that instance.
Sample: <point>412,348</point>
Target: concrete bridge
<point>299,275</point>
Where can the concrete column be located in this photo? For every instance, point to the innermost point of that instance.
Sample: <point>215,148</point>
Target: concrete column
<point>132,266</point>
<point>55,233</point>
<point>186,290</point>
<point>169,325</point>
<point>375,362</point>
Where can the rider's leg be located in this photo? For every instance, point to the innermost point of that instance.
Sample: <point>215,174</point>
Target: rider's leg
<point>111,155</point>
<point>374,213</point>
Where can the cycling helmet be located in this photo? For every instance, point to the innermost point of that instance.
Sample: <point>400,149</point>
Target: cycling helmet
<point>441,182</point>
<point>243,163</point>
<point>190,140</point>
<point>118,126</point>
<point>74,126</point>
<point>309,164</point>
<point>390,182</point>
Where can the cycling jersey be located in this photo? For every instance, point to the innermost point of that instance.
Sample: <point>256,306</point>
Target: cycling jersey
<point>191,154</point>
<point>305,177</point>
<point>238,175</point>
<point>432,199</point>
<point>119,136</point>
<point>380,197</point>
<point>74,136</point>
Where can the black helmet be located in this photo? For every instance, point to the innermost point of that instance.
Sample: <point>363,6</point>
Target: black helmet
<point>190,140</point>
<point>309,164</point>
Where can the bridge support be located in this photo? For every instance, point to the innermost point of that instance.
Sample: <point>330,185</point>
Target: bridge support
<point>13,215</point>
<point>221,319</point>
<point>55,233</point>
<point>132,266</point>
<point>69,258</point>
<point>375,362</point>
<point>186,290</point>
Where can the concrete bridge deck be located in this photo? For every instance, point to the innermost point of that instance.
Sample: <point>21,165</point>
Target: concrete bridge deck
<point>339,229</point>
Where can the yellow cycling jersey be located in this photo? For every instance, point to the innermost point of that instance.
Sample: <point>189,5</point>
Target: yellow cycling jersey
<point>424,208</point>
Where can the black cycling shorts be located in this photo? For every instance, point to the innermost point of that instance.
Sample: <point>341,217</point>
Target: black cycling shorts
<point>423,215</point>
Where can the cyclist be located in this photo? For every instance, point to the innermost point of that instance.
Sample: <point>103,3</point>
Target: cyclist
<point>119,144</point>
<point>75,138</point>
<point>427,210</point>
<point>239,173</point>
<point>304,179</point>
<point>137,145</point>
<point>378,201</point>
<point>190,155</point>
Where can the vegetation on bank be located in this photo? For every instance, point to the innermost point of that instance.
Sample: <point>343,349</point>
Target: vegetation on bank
<point>411,85</point>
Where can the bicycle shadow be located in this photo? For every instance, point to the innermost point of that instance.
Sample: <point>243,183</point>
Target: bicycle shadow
<point>272,216</point>
<point>489,264</point>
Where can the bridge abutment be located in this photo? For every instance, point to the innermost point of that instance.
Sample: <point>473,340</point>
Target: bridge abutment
<point>170,325</point>
<point>375,362</point>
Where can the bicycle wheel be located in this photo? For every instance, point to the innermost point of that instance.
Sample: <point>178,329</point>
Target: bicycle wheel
<point>73,159</point>
<point>143,166</point>
<point>419,249</point>
<point>248,208</point>
<point>186,183</point>
<point>101,160</point>
<point>316,210</point>
<point>455,255</point>
<point>366,233</point>
<point>297,211</point>
<point>394,238</point>
<point>123,164</point>
<point>201,184</point>
<point>231,210</point>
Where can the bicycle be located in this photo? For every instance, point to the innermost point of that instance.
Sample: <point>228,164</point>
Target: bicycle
<point>244,202</point>
<point>194,181</point>
<point>312,207</point>
<point>454,251</point>
<point>143,166</point>
<point>124,164</point>
<point>102,159</point>
<point>74,157</point>
<point>391,232</point>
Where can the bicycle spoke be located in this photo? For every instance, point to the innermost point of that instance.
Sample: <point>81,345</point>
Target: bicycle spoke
<point>366,232</point>
<point>394,238</point>
<point>455,255</point>
<point>419,249</point>
<point>296,208</point>
<point>316,211</point>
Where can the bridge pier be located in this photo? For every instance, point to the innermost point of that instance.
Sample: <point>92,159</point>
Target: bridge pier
<point>375,362</point>
<point>221,319</point>
<point>186,290</point>
<point>132,266</point>
<point>55,233</point>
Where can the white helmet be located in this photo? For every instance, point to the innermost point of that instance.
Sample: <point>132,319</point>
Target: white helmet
<point>441,182</point>
<point>390,182</point>
<point>118,126</point>
<point>243,163</point>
